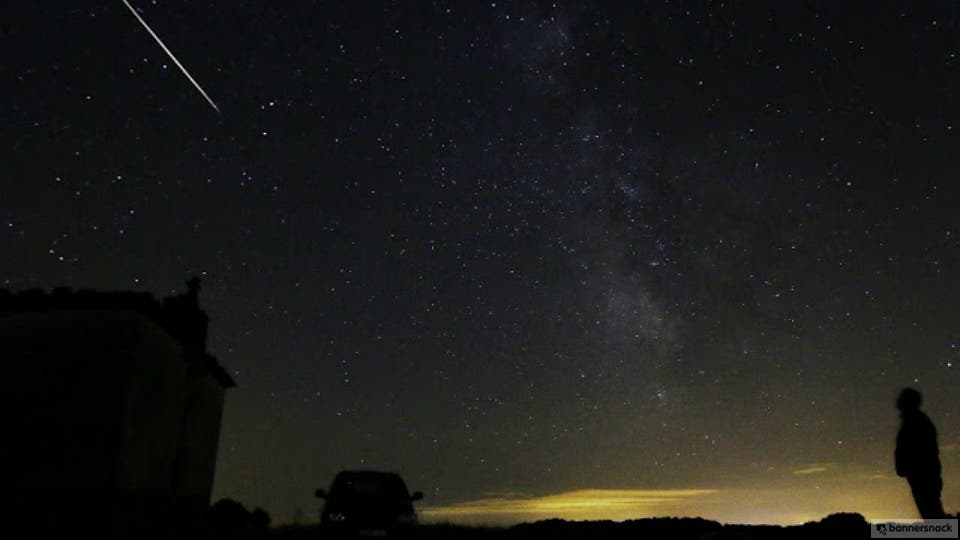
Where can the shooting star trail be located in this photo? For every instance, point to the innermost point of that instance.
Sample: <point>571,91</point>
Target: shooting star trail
<point>172,57</point>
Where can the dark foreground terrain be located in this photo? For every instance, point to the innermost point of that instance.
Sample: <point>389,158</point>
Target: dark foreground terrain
<point>835,526</point>
<point>840,526</point>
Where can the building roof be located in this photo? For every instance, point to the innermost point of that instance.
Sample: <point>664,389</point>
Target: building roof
<point>179,315</point>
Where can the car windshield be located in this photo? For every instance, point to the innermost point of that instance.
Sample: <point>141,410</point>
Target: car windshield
<point>380,486</point>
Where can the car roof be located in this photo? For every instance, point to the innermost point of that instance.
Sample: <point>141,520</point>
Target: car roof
<point>385,482</point>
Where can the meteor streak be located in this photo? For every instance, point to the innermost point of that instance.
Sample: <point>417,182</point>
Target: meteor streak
<point>172,57</point>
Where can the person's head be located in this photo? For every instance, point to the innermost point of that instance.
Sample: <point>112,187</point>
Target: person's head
<point>909,400</point>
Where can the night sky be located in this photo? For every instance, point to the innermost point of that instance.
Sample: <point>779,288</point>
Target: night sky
<point>578,260</point>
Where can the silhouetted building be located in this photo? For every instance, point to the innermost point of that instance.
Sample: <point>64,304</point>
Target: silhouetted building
<point>117,408</point>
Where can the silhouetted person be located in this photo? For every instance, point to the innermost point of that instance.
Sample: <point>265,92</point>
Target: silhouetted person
<point>917,456</point>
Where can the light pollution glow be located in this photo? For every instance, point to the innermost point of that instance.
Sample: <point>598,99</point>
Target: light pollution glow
<point>804,494</point>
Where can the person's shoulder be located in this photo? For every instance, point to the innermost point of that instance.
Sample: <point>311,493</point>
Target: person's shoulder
<point>915,418</point>
<point>922,420</point>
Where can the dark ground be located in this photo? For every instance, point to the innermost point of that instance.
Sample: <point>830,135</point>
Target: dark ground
<point>833,526</point>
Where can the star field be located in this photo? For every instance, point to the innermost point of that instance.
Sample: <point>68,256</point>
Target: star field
<point>519,248</point>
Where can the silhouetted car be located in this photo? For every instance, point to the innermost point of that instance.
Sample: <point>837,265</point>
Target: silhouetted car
<point>368,503</point>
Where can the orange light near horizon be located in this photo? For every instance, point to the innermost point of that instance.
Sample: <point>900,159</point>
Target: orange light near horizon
<point>584,504</point>
<point>797,496</point>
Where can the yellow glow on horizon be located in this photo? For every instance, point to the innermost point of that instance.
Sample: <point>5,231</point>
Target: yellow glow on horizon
<point>578,504</point>
<point>794,497</point>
